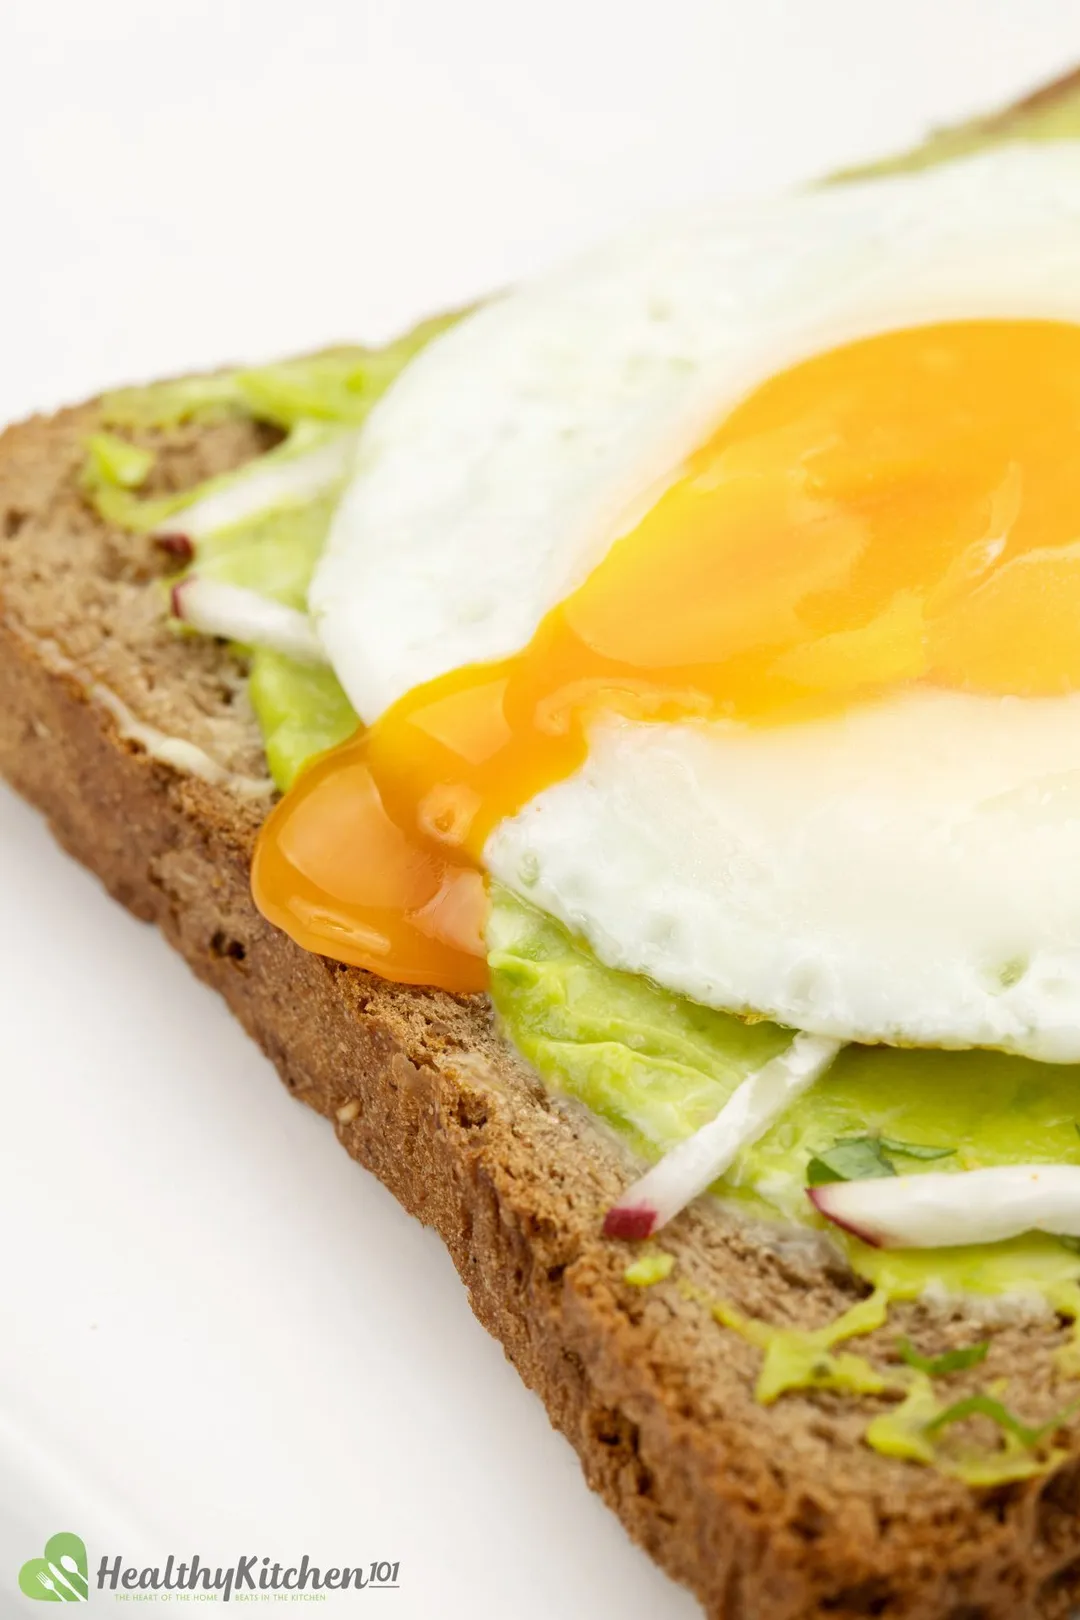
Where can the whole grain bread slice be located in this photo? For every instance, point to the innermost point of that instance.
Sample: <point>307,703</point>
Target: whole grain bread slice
<point>141,750</point>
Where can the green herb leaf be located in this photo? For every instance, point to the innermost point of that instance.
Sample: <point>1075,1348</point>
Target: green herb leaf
<point>986,1406</point>
<point>853,1158</point>
<point>915,1150</point>
<point>863,1158</point>
<point>949,1361</point>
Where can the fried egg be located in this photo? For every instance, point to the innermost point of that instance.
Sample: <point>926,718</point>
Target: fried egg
<point>718,595</point>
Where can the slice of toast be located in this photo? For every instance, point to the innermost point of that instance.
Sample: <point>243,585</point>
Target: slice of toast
<point>142,751</point>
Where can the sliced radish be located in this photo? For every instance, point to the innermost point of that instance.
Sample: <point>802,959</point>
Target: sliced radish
<point>692,1166</point>
<point>935,1210</point>
<point>272,482</point>
<point>219,609</point>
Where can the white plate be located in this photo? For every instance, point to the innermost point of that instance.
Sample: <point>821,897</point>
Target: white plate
<point>220,1335</point>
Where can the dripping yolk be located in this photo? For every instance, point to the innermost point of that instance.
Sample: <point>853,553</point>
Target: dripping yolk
<point>905,508</point>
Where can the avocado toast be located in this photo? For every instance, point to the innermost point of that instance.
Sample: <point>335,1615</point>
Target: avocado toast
<point>142,748</point>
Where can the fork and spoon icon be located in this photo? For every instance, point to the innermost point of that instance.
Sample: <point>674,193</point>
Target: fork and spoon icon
<point>72,1568</point>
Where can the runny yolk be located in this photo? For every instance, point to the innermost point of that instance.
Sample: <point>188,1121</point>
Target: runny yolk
<point>905,508</point>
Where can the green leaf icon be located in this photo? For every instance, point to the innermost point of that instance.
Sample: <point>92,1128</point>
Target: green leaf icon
<point>61,1575</point>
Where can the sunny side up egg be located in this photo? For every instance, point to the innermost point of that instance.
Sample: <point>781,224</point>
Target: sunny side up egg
<point>720,595</point>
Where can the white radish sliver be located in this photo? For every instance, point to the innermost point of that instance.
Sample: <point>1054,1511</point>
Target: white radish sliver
<point>219,609</point>
<point>689,1168</point>
<point>289,481</point>
<point>938,1210</point>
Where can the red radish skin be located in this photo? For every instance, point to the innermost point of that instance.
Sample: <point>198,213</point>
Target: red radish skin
<point>819,1197</point>
<point>633,1223</point>
<point>180,546</point>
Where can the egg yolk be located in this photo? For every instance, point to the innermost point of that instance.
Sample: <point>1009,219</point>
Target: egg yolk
<point>905,508</point>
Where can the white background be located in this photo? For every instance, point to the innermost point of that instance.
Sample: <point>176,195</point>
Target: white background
<point>218,1334</point>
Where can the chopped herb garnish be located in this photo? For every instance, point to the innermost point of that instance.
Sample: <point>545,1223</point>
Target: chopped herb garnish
<point>986,1406</point>
<point>915,1150</point>
<point>864,1158</point>
<point>853,1158</point>
<point>949,1361</point>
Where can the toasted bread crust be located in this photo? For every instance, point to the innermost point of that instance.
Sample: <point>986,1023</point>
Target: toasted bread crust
<point>1044,96</point>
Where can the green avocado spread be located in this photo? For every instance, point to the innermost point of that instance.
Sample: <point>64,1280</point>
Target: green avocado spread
<point>653,1065</point>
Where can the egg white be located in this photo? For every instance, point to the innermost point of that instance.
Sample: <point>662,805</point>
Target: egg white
<point>845,877</point>
<point>901,872</point>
